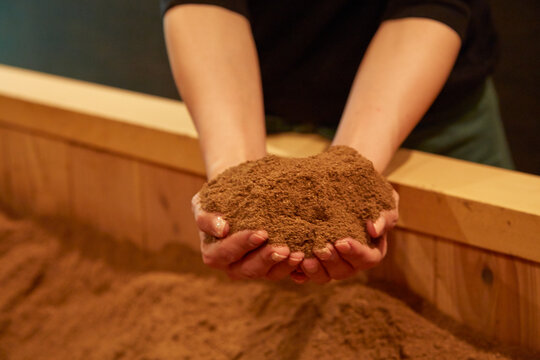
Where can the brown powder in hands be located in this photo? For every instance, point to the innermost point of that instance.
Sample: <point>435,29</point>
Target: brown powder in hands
<point>302,202</point>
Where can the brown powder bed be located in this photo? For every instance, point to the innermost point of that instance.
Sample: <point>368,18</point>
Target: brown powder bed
<point>72,294</point>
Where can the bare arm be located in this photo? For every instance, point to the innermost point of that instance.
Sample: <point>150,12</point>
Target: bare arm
<point>403,71</point>
<point>215,66</point>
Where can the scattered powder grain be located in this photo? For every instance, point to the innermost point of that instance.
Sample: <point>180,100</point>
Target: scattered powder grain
<point>74,294</point>
<point>301,202</point>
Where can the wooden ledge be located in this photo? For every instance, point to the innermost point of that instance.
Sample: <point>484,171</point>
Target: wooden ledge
<point>490,208</point>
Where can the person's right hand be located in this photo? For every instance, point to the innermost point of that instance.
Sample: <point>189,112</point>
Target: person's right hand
<point>244,254</point>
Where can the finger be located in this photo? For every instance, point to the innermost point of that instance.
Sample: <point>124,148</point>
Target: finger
<point>223,252</point>
<point>258,263</point>
<point>284,268</point>
<point>213,224</point>
<point>392,216</point>
<point>335,266</point>
<point>376,229</point>
<point>361,256</point>
<point>395,195</point>
<point>386,221</point>
<point>315,271</point>
<point>299,277</point>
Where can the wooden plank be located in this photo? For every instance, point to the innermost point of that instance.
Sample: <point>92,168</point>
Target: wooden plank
<point>4,181</point>
<point>105,133</point>
<point>35,175</point>
<point>167,204</point>
<point>410,262</point>
<point>99,101</point>
<point>490,208</point>
<point>494,294</point>
<point>296,145</point>
<point>455,178</point>
<point>100,116</point>
<point>107,194</point>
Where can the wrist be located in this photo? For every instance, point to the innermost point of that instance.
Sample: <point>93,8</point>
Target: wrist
<point>379,153</point>
<point>221,161</point>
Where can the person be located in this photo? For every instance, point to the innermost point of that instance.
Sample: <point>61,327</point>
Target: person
<point>364,73</point>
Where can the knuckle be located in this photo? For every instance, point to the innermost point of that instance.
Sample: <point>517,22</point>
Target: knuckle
<point>209,260</point>
<point>250,272</point>
<point>199,220</point>
<point>278,274</point>
<point>225,255</point>
<point>332,260</point>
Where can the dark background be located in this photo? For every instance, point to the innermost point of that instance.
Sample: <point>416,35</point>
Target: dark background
<point>120,43</point>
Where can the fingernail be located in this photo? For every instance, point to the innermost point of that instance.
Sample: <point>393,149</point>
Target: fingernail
<point>295,258</point>
<point>219,226</point>
<point>379,226</point>
<point>257,239</point>
<point>278,257</point>
<point>323,254</point>
<point>343,246</point>
<point>311,267</point>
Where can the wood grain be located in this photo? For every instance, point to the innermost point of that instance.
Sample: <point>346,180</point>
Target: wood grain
<point>167,197</point>
<point>106,194</point>
<point>410,262</point>
<point>121,162</point>
<point>120,121</point>
<point>495,294</point>
<point>489,208</point>
<point>4,171</point>
<point>35,174</point>
<point>451,199</point>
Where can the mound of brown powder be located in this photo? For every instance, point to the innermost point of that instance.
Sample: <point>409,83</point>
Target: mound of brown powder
<point>79,295</point>
<point>302,202</point>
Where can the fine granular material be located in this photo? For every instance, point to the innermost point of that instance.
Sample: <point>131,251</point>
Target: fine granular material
<point>301,202</point>
<point>75,294</point>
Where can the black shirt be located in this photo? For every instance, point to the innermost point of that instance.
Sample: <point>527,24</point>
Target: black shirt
<point>310,50</point>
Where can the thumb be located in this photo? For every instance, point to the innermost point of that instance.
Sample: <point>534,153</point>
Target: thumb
<point>209,223</point>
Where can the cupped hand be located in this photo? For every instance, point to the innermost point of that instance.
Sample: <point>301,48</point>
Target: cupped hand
<point>244,254</point>
<point>348,256</point>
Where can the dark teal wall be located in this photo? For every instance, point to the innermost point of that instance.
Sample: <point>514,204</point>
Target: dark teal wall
<point>117,42</point>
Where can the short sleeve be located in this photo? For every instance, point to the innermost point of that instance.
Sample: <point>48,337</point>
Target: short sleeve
<point>454,13</point>
<point>238,6</point>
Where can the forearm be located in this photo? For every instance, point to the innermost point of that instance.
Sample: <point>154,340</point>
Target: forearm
<point>403,71</point>
<point>215,67</point>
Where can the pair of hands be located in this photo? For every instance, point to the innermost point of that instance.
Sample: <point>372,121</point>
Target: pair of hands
<point>247,255</point>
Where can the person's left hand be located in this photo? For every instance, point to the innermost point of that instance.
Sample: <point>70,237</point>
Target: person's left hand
<point>348,256</point>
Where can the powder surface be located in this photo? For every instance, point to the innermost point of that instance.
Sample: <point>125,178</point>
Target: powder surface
<point>301,202</point>
<point>74,294</point>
